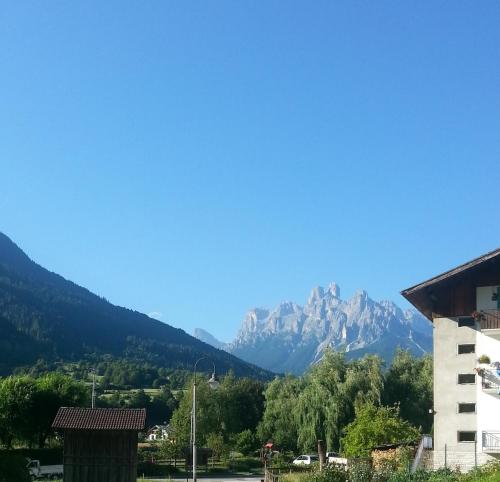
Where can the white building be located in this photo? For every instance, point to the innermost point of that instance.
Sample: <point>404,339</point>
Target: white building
<point>160,432</point>
<point>464,306</point>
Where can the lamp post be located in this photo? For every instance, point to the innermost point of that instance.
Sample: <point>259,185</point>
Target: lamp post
<point>214,384</point>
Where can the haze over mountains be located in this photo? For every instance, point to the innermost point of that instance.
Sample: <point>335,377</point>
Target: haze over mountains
<point>291,337</point>
<point>46,317</point>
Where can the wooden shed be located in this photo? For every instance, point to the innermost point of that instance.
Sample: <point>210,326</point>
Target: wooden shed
<point>100,444</point>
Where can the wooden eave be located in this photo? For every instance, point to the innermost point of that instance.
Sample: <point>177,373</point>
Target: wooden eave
<point>420,295</point>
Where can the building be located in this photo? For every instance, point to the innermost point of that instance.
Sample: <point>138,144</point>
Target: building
<point>160,432</point>
<point>464,307</point>
<point>100,444</point>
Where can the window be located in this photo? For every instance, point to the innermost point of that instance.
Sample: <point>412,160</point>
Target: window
<point>466,378</point>
<point>466,321</point>
<point>466,348</point>
<point>466,436</point>
<point>466,408</point>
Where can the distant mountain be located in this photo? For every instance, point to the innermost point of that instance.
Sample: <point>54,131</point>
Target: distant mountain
<point>206,337</point>
<point>292,337</point>
<point>44,316</point>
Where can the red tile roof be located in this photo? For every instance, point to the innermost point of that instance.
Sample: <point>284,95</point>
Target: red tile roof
<point>100,418</point>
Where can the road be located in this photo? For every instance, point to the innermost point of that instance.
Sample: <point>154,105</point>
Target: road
<point>233,478</point>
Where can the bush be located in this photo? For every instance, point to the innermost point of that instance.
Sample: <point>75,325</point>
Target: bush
<point>360,471</point>
<point>246,442</point>
<point>148,454</point>
<point>151,469</point>
<point>245,464</point>
<point>47,456</point>
<point>484,359</point>
<point>329,474</point>
<point>13,468</point>
<point>280,461</point>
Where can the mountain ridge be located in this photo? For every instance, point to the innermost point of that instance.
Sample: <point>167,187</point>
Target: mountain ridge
<point>44,316</point>
<point>291,337</point>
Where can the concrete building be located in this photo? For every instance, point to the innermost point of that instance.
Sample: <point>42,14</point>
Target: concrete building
<point>464,307</point>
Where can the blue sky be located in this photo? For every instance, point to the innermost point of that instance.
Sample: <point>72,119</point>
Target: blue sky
<point>197,159</point>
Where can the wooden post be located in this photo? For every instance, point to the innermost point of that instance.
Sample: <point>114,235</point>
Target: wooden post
<point>321,454</point>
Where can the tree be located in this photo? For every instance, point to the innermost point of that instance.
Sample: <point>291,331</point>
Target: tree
<point>241,403</point>
<point>208,415</point>
<point>169,449</point>
<point>139,399</point>
<point>13,467</point>
<point>332,389</point>
<point>409,384</point>
<point>375,426</point>
<point>278,421</point>
<point>16,409</point>
<point>215,441</point>
<point>246,442</point>
<point>53,391</point>
<point>28,406</point>
<point>161,407</point>
<point>236,406</point>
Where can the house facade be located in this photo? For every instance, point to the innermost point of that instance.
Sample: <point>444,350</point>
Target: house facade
<point>464,307</point>
<point>160,432</point>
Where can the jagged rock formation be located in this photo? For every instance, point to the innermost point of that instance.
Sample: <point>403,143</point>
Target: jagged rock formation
<point>291,337</point>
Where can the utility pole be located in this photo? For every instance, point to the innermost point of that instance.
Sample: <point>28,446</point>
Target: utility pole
<point>93,387</point>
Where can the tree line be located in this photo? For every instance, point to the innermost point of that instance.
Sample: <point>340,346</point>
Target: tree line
<point>324,404</point>
<point>28,405</point>
<point>336,401</point>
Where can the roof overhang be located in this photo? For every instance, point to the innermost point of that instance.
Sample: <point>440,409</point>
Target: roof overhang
<point>480,271</point>
<point>77,418</point>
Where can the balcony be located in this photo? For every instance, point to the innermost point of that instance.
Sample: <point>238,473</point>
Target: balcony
<point>489,321</point>
<point>491,442</point>
<point>490,380</point>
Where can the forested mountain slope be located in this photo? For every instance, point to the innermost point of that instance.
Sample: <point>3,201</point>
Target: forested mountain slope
<point>44,316</point>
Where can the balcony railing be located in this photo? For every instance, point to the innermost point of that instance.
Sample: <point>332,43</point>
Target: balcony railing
<point>488,319</point>
<point>490,380</point>
<point>491,441</point>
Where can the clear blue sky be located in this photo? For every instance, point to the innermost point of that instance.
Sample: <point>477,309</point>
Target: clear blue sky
<point>198,159</point>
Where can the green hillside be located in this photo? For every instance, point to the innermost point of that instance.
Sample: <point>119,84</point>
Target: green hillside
<point>46,317</point>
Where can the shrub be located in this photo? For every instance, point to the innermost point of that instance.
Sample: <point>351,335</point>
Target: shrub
<point>360,471</point>
<point>330,474</point>
<point>484,359</point>
<point>246,442</point>
<point>151,469</point>
<point>13,468</point>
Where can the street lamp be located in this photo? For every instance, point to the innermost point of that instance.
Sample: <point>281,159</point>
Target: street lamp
<point>213,383</point>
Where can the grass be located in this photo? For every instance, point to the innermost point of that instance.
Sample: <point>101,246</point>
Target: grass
<point>237,466</point>
<point>487,473</point>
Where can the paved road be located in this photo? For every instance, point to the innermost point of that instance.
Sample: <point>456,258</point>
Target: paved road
<point>233,478</point>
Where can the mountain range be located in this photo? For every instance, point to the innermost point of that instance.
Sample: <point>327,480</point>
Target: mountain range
<point>46,317</point>
<point>291,337</point>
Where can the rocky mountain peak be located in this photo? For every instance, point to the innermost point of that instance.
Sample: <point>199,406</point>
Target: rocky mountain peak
<point>334,290</point>
<point>291,337</point>
<point>316,295</point>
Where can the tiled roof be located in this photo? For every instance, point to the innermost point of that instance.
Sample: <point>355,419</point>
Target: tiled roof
<point>100,418</point>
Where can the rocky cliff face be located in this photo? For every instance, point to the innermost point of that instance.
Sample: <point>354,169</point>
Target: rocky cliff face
<point>291,337</point>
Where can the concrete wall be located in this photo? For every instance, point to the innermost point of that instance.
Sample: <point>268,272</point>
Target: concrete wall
<point>448,393</point>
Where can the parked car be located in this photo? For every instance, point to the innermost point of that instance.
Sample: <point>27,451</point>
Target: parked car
<point>305,460</point>
<point>38,471</point>
<point>335,458</point>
